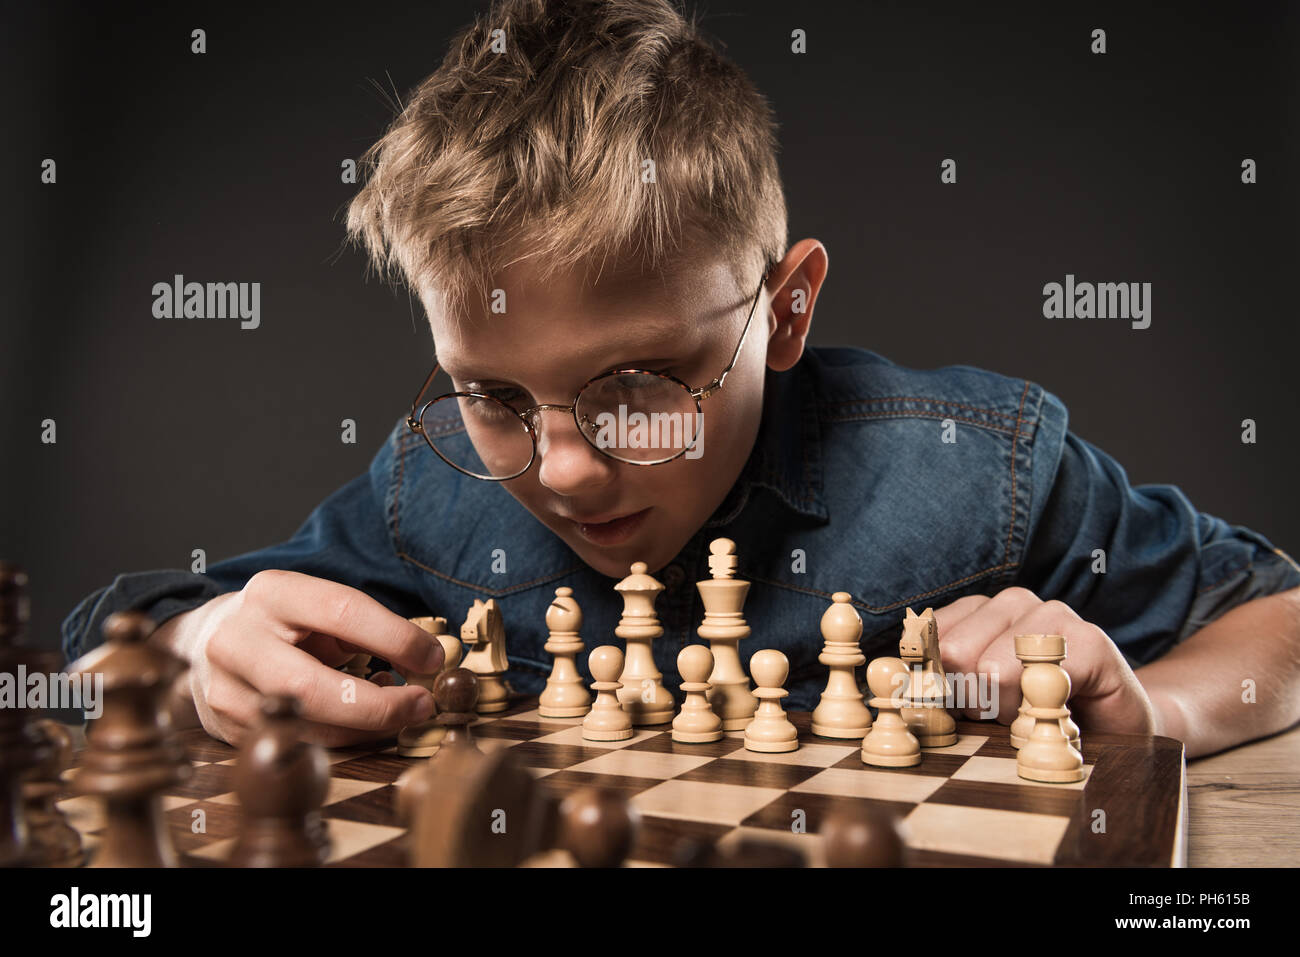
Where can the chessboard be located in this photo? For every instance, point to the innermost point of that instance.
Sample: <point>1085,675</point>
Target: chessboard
<point>963,805</point>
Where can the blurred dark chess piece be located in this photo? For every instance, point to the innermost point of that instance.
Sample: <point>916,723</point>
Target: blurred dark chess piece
<point>54,842</point>
<point>465,808</point>
<point>132,756</point>
<point>281,781</point>
<point>455,694</point>
<point>855,836</point>
<point>597,827</point>
<point>22,747</point>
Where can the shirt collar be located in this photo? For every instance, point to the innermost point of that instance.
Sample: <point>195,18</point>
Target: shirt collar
<point>787,455</point>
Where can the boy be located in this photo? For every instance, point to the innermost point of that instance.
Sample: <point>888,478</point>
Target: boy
<point>585,196</point>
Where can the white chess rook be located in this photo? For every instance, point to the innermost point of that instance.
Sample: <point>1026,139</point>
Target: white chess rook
<point>1047,756</point>
<point>723,628</point>
<point>1032,651</point>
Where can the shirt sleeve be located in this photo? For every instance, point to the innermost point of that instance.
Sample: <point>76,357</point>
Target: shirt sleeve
<point>345,539</point>
<point>1141,562</point>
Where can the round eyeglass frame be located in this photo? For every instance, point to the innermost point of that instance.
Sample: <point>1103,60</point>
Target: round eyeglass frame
<point>415,419</point>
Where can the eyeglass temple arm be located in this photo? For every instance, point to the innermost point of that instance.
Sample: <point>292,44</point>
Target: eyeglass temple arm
<point>412,422</point>
<point>716,384</point>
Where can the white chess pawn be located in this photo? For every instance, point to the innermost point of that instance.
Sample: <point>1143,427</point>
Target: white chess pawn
<point>606,721</point>
<point>564,695</point>
<point>770,730</point>
<point>1047,756</point>
<point>889,743</point>
<point>424,739</point>
<point>696,722</point>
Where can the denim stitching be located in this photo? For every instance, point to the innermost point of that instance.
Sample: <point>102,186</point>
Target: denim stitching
<point>921,414</point>
<point>1015,443</point>
<point>921,398</point>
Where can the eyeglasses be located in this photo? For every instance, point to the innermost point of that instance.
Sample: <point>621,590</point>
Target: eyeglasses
<point>637,416</point>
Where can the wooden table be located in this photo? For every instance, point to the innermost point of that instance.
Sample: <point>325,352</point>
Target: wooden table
<point>1244,805</point>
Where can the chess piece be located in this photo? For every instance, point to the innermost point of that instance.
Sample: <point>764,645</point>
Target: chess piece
<point>54,842</point>
<point>841,712</point>
<point>132,757</point>
<point>281,781</point>
<point>470,809</point>
<point>1047,755</point>
<point>22,747</point>
<point>606,721</point>
<point>927,691</point>
<point>857,836</point>
<point>598,827</point>
<point>1037,651</point>
<point>485,633</point>
<point>889,743</point>
<point>643,695</point>
<point>423,739</point>
<point>565,696</point>
<point>455,693</point>
<point>696,722</point>
<point>770,730</point>
<point>723,628</point>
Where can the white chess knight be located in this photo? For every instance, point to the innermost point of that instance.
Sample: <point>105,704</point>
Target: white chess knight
<point>927,693</point>
<point>485,633</point>
<point>841,712</point>
<point>723,628</point>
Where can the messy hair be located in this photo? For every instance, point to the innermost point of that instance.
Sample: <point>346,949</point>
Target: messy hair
<point>530,142</point>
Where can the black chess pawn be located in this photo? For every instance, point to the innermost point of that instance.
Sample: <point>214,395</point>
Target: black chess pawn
<point>597,827</point>
<point>455,693</point>
<point>132,756</point>
<point>861,837</point>
<point>281,781</point>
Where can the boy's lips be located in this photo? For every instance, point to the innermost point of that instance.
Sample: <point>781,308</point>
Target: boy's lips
<point>613,530</point>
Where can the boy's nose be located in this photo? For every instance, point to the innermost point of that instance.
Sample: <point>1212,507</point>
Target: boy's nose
<point>566,462</point>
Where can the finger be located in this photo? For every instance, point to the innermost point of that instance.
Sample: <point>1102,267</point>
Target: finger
<point>384,679</point>
<point>961,645</point>
<point>327,696</point>
<point>999,663</point>
<point>949,615</point>
<point>308,604</point>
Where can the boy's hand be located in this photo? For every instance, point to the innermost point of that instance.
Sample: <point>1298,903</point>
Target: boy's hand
<point>977,635</point>
<point>283,634</point>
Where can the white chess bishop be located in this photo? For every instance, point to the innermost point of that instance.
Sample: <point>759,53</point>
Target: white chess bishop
<point>565,696</point>
<point>841,713</point>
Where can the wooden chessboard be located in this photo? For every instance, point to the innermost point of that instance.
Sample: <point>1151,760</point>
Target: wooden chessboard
<point>963,805</point>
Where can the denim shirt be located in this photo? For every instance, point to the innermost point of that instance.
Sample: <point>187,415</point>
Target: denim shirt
<point>905,488</point>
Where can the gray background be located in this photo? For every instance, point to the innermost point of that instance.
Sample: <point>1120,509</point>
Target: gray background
<point>225,167</point>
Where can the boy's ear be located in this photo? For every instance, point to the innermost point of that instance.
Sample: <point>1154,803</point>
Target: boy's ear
<point>793,288</point>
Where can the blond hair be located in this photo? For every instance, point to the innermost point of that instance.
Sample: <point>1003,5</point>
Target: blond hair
<point>539,152</point>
